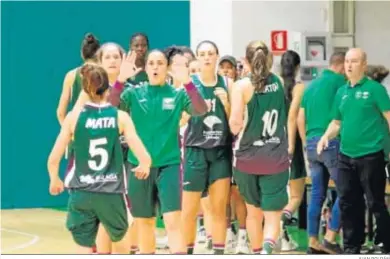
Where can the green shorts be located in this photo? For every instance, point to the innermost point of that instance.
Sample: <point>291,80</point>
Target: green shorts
<point>298,165</point>
<point>202,167</point>
<point>268,192</point>
<point>87,209</point>
<point>161,190</point>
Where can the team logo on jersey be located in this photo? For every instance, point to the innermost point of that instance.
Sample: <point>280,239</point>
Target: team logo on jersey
<point>90,179</point>
<point>168,104</point>
<point>211,120</point>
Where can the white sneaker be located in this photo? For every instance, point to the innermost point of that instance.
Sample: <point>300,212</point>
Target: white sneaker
<point>242,243</point>
<point>288,244</point>
<point>285,243</point>
<point>263,252</point>
<point>231,240</point>
<point>209,244</point>
<point>201,236</point>
<point>162,242</point>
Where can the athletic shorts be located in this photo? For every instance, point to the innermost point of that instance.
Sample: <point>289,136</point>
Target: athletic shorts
<point>202,167</point>
<point>87,209</point>
<point>161,190</point>
<point>298,165</point>
<point>268,192</point>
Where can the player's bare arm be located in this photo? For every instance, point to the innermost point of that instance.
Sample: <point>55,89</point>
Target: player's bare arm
<point>236,120</point>
<point>292,116</point>
<point>53,163</point>
<point>301,123</point>
<point>65,95</point>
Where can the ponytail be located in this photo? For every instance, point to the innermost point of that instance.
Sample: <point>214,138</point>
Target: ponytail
<point>289,64</point>
<point>94,80</point>
<point>260,69</point>
<point>288,77</point>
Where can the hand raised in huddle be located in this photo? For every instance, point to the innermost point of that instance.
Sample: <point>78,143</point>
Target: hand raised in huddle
<point>128,68</point>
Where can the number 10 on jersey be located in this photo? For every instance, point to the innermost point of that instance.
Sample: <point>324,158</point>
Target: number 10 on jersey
<point>270,123</point>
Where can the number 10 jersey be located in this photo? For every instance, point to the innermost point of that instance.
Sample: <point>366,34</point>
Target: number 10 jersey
<point>97,153</point>
<point>261,146</point>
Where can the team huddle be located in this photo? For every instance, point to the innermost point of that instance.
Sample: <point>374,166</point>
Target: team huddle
<point>159,133</point>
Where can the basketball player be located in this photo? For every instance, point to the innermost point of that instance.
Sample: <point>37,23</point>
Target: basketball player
<point>236,209</point>
<point>139,43</point>
<point>188,53</point>
<point>290,65</point>
<point>204,217</point>
<point>194,66</point>
<point>208,152</point>
<point>72,82</point>
<point>174,56</point>
<point>156,109</point>
<point>97,181</point>
<point>260,161</point>
<point>110,56</point>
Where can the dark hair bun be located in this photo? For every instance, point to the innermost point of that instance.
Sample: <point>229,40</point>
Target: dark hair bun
<point>90,38</point>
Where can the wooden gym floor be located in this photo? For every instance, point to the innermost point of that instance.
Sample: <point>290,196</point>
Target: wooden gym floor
<point>40,231</point>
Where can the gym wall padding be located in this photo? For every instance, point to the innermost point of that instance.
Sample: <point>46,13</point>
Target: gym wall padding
<point>40,42</point>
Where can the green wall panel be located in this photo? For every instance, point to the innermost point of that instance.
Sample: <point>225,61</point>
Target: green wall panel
<point>40,42</point>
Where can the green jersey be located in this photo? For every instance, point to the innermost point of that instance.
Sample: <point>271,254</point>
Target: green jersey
<point>156,112</point>
<point>98,159</point>
<point>360,109</point>
<point>317,101</point>
<point>261,146</point>
<point>75,90</point>
<point>212,129</point>
<point>138,79</point>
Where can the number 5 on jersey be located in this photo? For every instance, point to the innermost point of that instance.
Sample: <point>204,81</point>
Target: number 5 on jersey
<point>96,150</point>
<point>270,123</point>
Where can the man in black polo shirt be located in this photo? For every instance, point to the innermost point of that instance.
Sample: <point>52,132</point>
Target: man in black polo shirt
<point>359,109</point>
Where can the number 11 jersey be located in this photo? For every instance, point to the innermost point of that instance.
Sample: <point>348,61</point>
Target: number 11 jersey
<point>261,146</point>
<point>98,158</point>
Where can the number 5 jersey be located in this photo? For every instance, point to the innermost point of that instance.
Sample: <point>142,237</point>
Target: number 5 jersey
<point>261,146</point>
<point>98,158</point>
